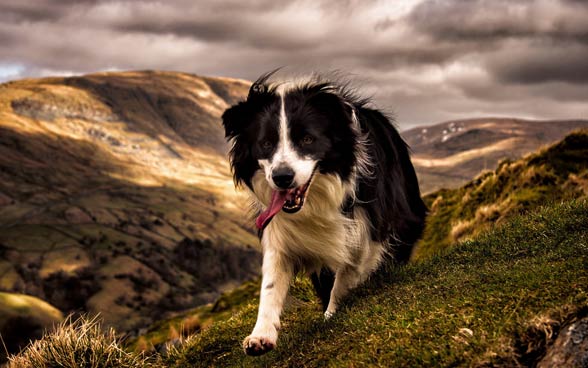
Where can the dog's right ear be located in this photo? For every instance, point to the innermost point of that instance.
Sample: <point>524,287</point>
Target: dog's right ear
<point>235,120</point>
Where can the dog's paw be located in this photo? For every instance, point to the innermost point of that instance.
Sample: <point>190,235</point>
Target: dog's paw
<point>328,315</point>
<point>258,345</point>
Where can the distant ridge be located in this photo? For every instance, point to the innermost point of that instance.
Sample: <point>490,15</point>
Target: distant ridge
<point>449,154</point>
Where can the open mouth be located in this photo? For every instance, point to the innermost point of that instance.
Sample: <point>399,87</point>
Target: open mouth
<point>295,198</point>
<point>289,201</point>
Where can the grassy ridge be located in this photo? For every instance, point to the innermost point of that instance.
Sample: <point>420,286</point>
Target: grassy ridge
<point>465,307</point>
<point>558,172</point>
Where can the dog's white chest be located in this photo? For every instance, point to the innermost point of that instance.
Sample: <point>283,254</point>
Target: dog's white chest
<point>319,234</point>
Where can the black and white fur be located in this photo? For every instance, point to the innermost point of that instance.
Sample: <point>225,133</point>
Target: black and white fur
<point>362,205</point>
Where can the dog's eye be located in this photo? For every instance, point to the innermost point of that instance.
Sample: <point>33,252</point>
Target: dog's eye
<point>307,140</point>
<point>266,145</point>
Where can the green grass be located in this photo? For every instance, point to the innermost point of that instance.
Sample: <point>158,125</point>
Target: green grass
<point>24,316</point>
<point>494,286</point>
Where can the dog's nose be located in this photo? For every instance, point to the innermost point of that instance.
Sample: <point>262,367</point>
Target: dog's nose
<point>283,177</point>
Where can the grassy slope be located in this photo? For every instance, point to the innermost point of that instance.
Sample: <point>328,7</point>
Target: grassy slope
<point>27,306</point>
<point>556,173</point>
<point>562,167</point>
<point>494,286</point>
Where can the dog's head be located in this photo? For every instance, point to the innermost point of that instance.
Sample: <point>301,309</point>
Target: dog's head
<point>291,132</point>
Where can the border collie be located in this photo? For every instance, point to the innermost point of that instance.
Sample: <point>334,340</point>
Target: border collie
<point>332,186</point>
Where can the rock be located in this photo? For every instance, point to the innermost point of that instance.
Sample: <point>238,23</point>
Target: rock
<point>570,348</point>
<point>75,215</point>
<point>5,200</point>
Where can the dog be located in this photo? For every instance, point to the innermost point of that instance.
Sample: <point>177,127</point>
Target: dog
<point>332,186</point>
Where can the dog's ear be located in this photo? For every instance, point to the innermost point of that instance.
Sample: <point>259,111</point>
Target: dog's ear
<point>235,120</point>
<point>257,89</point>
<point>327,100</point>
<point>261,87</point>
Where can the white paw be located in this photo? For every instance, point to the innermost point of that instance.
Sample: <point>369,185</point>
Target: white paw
<point>258,345</point>
<point>329,314</point>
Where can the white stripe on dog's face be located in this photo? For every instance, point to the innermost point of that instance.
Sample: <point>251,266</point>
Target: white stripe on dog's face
<point>286,156</point>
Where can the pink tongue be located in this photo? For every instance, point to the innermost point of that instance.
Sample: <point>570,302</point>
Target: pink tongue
<point>277,201</point>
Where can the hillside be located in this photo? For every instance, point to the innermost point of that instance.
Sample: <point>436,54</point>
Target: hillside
<point>511,295</point>
<point>558,172</point>
<point>449,154</point>
<point>486,302</point>
<point>20,313</point>
<point>116,196</point>
<point>506,298</point>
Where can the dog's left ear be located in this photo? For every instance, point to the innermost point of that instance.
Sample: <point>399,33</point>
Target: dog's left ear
<point>334,105</point>
<point>234,120</point>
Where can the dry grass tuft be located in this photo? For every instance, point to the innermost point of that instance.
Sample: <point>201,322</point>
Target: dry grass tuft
<point>488,213</point>
<point>191,325</point>
<point>461,229</point>
<point>78,343</point>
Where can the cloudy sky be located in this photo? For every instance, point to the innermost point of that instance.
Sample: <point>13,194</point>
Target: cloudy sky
<point>426,61</point>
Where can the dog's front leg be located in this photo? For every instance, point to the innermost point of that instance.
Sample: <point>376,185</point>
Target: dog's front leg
<point>277,273</point>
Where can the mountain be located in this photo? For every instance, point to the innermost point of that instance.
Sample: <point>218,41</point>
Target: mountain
<point>116,196</point>
<point>449,154</point>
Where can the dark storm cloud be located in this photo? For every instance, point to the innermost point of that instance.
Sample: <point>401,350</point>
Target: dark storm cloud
<point>36,11</point>
<point>533,64</point>
<point>18,12</point>
<point>500,19</point>
<point>419,53</point>
<point>534,41</point>
<point>426,60</point>
<point>225,29</point>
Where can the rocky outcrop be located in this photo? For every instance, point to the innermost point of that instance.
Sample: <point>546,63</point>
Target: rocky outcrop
<point>570,348</point>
